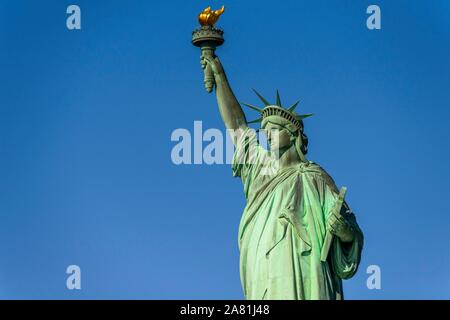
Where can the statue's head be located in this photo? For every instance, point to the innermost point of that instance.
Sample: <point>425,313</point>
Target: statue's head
<point>279,137</point>
<point>283,127</point>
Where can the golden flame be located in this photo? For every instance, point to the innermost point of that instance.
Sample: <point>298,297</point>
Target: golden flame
<point>209,17</point>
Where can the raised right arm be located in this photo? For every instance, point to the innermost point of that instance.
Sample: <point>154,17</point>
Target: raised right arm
<point>230,110</point>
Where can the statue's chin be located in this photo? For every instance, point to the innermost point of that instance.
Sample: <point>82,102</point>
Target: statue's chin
<point>276,147</point>
<point>277,151</point>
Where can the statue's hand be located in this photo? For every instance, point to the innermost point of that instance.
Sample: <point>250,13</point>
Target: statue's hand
<point>214,64</point>
<point>337,225</point>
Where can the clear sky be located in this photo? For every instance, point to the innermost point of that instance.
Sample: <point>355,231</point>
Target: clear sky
<point>86,117</point>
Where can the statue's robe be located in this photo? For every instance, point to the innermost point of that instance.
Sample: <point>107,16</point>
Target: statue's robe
<point>282,229</point>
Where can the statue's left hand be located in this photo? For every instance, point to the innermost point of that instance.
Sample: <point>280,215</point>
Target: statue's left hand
<point>337,225</point>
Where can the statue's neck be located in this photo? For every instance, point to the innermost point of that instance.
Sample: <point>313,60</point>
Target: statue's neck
<point>288,157</point>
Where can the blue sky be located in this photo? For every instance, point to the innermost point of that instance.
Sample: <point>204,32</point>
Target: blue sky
<point>86,116</point>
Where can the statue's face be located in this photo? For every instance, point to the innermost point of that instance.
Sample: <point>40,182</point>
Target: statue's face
<point>278,137</point>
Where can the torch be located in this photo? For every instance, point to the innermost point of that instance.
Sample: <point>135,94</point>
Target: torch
<point>208,38</point>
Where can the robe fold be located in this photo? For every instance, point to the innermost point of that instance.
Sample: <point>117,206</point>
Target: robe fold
<point>283,227</point>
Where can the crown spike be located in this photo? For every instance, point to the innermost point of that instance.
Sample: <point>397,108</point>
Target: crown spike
<point>278,103</point>
<point>255,121</point>
<point>292,108</point>
<point>252,107</point>
<point>303,116</point>
<point>261,98</point>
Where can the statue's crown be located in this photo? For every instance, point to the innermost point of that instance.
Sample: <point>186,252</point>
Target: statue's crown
<point>277,110</point>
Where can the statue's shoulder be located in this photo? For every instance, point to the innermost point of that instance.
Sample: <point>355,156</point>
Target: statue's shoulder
<point>315,171</point>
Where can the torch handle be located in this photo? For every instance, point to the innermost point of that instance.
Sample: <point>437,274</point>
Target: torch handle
<point>208,80</point>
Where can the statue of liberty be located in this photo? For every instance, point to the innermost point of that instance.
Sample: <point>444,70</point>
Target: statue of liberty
<point>290,209</point>
<point>298,238</point>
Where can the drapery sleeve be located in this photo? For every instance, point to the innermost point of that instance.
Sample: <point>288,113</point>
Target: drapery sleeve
<point>248,159</point>
<point>344,257</point>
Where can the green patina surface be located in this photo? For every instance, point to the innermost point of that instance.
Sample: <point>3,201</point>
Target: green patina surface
<point>298,237</point>
<point>283,227</point>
